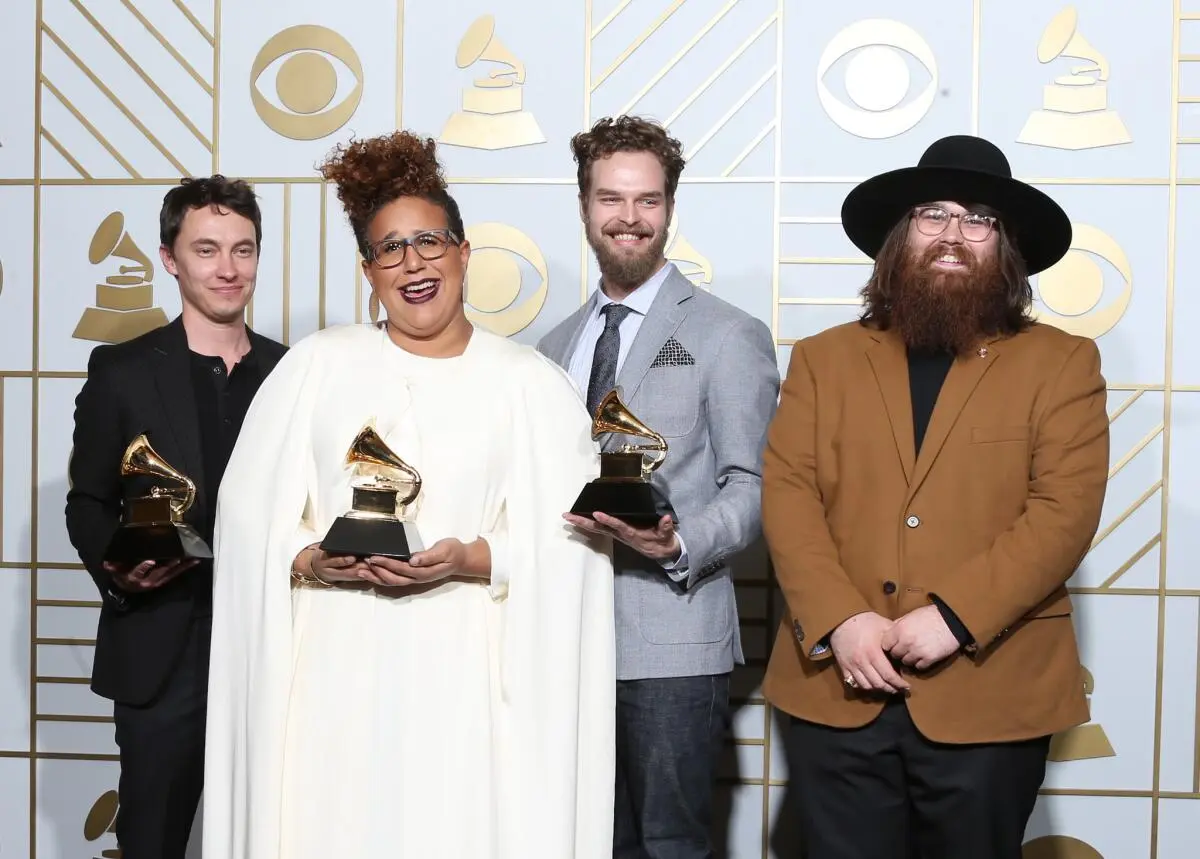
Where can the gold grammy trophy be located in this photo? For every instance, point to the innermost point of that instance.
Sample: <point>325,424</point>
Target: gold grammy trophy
<point>492,116</point>
<point>125,301</point>
<point>691,263</point>
<point>379,522</point>
<point>1082,742</point>
<point>152,526</point>
<point>623,490</point>
<point>1074,112</point>
<point>102,820</point>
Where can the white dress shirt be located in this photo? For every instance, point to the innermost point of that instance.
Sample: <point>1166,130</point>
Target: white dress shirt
<point>580,368</point>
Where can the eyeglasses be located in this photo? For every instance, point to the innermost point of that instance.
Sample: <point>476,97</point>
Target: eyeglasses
<point>933,221</point>
<point>429,245</point>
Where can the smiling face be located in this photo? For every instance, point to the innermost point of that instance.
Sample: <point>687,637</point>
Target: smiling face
<point>423,297</point>
<point>951,290</point>
<point>950,251</point>
<point>626,213</point>
<point>215,260</point>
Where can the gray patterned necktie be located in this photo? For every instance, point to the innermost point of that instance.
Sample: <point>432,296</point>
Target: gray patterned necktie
<point>604,360</point>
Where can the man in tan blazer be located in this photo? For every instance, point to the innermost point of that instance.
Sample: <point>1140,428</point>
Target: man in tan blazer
<point>933,477</point>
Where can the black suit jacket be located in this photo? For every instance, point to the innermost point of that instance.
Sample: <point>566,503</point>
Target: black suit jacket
<point>143,385</point>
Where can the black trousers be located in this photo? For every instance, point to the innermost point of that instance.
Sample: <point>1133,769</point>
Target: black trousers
<point>162,757</point>
<point>885,792</point>
<point>670,733</point>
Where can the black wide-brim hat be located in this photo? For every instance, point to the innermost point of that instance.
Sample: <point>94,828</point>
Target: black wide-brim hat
<point>968,171</point>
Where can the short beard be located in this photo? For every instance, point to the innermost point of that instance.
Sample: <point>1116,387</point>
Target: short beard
<point>948,311</point>
<point>627,270</point>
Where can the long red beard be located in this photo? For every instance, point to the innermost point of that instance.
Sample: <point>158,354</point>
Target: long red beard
<point>948,311</point>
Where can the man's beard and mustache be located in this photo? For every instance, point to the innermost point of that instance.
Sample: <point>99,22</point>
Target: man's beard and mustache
<point>935,310</point>
<point>627,268</point>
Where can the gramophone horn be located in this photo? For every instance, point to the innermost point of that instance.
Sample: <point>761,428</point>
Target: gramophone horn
<point>369,448</point>
<point>141,458</point>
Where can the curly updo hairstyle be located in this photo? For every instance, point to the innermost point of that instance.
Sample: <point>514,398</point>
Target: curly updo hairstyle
<point>626,134</point>
<point>370,174</point>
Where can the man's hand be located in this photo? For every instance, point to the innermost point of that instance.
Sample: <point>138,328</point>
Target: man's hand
<point>659,543</point>
<point>860,654</point>
<point>920,638</point>
<point>146,576</point>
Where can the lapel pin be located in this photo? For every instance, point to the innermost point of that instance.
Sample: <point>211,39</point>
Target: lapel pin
<point>982,352</point>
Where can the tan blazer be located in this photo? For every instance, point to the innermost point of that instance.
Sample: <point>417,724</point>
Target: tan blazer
<point>993,517</point>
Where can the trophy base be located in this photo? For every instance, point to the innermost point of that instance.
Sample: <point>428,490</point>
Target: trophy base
<point>1080,743</point>
<point>103,325</point>
<point>156,541</point>
<point>635,502</point>
<point>362,538</point>
<point>1074,131</point>
<point>491,132</point>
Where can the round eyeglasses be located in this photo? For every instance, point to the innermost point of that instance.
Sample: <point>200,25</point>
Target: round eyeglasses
<point>429,245</point>
<point>933,221</point>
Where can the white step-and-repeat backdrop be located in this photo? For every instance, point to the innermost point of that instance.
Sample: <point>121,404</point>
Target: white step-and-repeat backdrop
<point>782,106</point>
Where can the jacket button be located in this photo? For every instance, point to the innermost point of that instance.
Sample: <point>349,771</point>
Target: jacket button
<point>889,587</point>
<point>912,521</point>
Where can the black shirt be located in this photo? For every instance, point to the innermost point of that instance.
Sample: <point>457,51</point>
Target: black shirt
<point>927,373</point>
<point>222,400</point>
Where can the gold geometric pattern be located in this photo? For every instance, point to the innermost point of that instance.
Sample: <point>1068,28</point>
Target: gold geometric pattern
<point>764,94</point>
<point>91,83</point>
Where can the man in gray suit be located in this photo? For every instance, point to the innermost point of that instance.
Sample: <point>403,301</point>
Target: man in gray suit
<point>704,375</point>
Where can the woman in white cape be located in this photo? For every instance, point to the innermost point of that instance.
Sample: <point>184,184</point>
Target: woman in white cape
<point>457,706</point>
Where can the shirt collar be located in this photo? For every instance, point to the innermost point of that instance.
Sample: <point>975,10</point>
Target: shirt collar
<point>640,299</point>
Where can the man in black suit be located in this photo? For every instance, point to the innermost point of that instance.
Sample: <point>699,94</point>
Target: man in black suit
<point>186,385</point>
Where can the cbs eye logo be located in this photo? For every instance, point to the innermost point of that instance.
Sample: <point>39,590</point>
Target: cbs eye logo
<point>1072,290</point>
<point>877,78</point>
<point>495,278</point>
<point>307,82</point>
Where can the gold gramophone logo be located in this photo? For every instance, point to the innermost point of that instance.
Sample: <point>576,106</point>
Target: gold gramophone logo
<point>1073,287</point>
<point>1082,742</point>
<point>1075,113</point>
<point>691,263</point>
<point>124,306</point>
<point>102,821</point>
<point>492,115</point>
<point>495,280</point>
<point>1059,847</point>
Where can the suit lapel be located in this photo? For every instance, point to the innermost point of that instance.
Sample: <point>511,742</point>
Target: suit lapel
<point>665,314</point>
<point>964,376</point>
<point>890,365</point>
<point>172,377</point>
<point>580,317</point>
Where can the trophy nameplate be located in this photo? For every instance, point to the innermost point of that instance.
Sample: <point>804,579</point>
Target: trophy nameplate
<point>377,524</point>
<point>623,490</point>
<point>152,526</point>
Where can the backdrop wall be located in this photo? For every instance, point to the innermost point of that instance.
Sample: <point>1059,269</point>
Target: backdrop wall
<point>782,105</point>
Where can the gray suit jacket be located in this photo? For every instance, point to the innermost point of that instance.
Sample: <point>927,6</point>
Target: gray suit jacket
<point>705,375</point>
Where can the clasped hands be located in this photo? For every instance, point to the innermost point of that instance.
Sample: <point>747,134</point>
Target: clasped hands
<point>443,559</point>
<point>863,644</point>
<point>148,575</point>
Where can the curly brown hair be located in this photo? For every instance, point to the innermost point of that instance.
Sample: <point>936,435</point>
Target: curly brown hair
<point>371,173</point>
<point>627,134</point>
